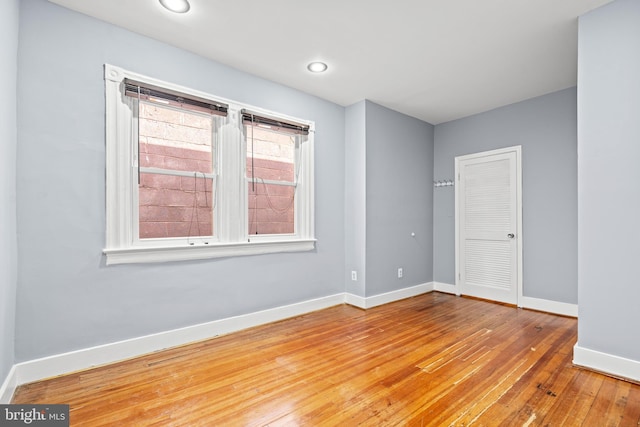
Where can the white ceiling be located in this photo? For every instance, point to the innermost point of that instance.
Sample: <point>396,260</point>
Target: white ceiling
<point>437,60</point>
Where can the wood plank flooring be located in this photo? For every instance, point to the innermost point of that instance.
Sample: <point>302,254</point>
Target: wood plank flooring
<point>435,359</point>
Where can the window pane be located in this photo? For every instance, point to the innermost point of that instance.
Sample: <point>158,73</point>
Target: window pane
<point>270,155</point>
<point>175,139</point>
<point>271,209</point>
<point>175,206</point>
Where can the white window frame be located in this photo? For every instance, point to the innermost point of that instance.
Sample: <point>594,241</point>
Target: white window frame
<point>231,223</point>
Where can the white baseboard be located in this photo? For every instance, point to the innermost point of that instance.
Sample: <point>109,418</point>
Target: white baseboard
<point>561,308</point>
<point>355,300</point>
<point>59,364</point>
<point>375,300</point>
<point>8,386</point>
<point>445,287</point>
<point>607,363</point>
<point>548,306</point>
<point>64,363</point>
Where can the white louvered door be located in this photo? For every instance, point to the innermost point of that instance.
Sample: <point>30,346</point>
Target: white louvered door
<point>487,208</point>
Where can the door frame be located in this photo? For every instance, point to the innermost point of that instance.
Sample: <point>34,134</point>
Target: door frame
<point>519,237</point>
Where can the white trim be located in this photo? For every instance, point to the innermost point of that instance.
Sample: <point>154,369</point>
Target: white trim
<point>231,225</point>
<point>446,288</point>
<point>8,386</point>
<point>201,251</point>
<point>171,172</point>
<point>456,220</point>
<point>519,236</point>
<point>519,240</point>
<point>355,300</point>
<point>271,182</point>
<point>59,364</point>
<point>554,307</point>
<point>616,366</point>
<point>380,299</point>
<point>548,306</point>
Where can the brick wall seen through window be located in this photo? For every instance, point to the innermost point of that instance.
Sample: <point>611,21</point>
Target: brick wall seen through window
<point>270,157</point>
<point>175,140</point>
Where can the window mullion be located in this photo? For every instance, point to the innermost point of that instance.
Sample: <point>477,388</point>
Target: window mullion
<point>305,198</point>
<point>232,191</point>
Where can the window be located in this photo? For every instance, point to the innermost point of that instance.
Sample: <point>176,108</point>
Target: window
<point>191,176</point>
<point>272,168</point>
<point>175,174</point>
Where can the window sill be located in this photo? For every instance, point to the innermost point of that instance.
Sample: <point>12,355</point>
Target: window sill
<point>134,255</point>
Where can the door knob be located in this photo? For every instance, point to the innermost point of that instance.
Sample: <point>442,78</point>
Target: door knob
<point>511,235</point>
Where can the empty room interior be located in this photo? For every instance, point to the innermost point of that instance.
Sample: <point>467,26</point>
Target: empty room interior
<point>321,213</point>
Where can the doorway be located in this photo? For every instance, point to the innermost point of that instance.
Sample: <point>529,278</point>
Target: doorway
<point>488,197</point>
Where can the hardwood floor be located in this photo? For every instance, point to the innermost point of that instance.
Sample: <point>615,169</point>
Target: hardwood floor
<point>434,359</point>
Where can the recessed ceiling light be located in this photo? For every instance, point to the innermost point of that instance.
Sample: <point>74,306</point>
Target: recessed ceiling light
<point>178,6</point>
<point>317,67</point>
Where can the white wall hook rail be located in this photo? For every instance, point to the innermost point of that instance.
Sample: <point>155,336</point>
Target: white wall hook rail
<point>444,183</point>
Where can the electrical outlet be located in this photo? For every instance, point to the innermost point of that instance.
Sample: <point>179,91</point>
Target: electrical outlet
<point>354,275</point>
<point>400,272</point>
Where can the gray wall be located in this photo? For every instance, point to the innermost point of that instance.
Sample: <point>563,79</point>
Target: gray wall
<point>8,140</point>
<point>609,179</point>
<point>545,127</point>
<point>355,198</point>
<point>399,172</point>
<point>67,299</point>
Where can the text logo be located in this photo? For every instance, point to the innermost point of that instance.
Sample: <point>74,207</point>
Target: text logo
<point>34,415</point>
